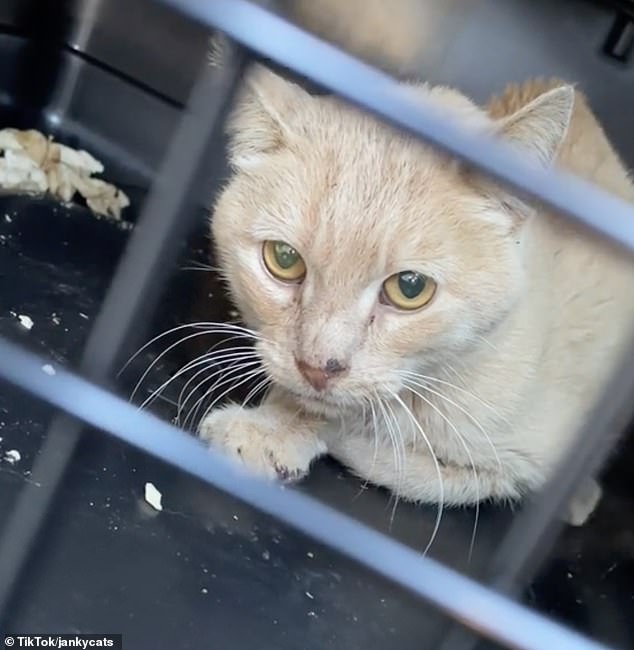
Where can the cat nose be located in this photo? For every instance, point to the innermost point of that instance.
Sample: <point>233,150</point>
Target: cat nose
<point>318,377</point>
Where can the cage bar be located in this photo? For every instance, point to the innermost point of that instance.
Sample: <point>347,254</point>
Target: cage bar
<point>491,614</point>
<point>155,244</point>
<point>149,256</point>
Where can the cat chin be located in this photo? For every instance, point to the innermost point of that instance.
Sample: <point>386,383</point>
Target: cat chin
<point>325,406</point>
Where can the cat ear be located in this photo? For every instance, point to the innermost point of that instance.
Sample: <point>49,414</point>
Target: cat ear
<point>539,128</point>
<point>261,122</point>
<point>536,131</point>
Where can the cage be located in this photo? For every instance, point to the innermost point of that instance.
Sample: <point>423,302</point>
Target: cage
<point>229,562</point>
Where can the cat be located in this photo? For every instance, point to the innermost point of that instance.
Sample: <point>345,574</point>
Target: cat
<point>434,333</point>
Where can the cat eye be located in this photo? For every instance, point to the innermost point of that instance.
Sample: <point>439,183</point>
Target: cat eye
<point>283,261</point>
<point>408,290</point>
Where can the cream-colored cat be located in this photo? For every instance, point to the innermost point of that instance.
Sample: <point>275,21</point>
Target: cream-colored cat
<point>419,323</point>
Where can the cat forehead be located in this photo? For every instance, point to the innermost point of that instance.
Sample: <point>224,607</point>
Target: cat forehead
<point>357,225</point>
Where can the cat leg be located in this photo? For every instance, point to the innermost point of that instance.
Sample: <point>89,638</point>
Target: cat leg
<point>275,440</point>
<point>418,476</point>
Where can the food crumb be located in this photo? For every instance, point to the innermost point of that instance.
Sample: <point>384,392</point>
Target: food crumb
<point>84,316</point>
<point>235,517</point>
<point>153,496</point>
<point>310,554</point>
<point>312,614</point>
<point>204,591</point>
<point>12,456</point>
<point>25,321</point>
<point>48,369</point>
<point>309,595</point>
<point>7,218</point>
<point>233,313</point>
<point>266,555</point>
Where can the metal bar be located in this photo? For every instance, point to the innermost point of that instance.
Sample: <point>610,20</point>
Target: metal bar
<point>287,45</point>
<point>490,614</point>
<point>135,288</point>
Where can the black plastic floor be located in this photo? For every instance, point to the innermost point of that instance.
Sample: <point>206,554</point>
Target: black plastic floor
<point>206,568</point>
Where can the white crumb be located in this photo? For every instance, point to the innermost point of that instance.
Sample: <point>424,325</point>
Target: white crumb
<point>235,517</point>
<point>310,554</point>
<point>48,369</point>
<point>204,591</point>
<point>233,313</point>
<point>7,218</point>
<point>266,555</point>
<point>55,318</point>
<point>83,316</point>
<point>12,456</point>
<point>153,496</point>
<point>25,321</point>
<point>309,595</point>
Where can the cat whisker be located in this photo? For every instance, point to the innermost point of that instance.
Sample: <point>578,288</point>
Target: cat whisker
<point>208,360</point>
<point>223,380</point>
<point>487,343</point>
<point>206,331</point>
<point>227,367</point>
<point>210,327</point>
<point>403,456</point>
<point>441,488</point>
<point>201,267</point>
<point>220,358</point>
<point>469,455</point>
<point>254,391</point>
<point>398,453</point>
<point>436,380</point>
<point>471,417</point>
<point>367,402</point>
<point>243,380</point>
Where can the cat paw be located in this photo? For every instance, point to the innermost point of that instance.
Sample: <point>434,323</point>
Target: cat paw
<point>261,442</point>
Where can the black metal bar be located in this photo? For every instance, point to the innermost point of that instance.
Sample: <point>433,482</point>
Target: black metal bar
<point>147,260</point>
<point>490,614</point>
<point>283,43</point>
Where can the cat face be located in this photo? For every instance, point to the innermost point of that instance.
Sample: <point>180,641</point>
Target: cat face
<point>357,253</point>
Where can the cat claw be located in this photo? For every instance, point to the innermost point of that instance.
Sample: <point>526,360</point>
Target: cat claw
<point>265,451</point>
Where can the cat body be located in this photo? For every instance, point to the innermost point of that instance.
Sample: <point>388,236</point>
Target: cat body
<point>476,393</point>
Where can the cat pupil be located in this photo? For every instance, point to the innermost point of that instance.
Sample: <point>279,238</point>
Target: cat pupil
<point>285,255</point>
<point>411,283</point>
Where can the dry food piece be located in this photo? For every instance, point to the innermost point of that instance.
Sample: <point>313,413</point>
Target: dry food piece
<point>31,162</point>
<point>26,321</point>
<point>153,496</point>
<point>12,456</point>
